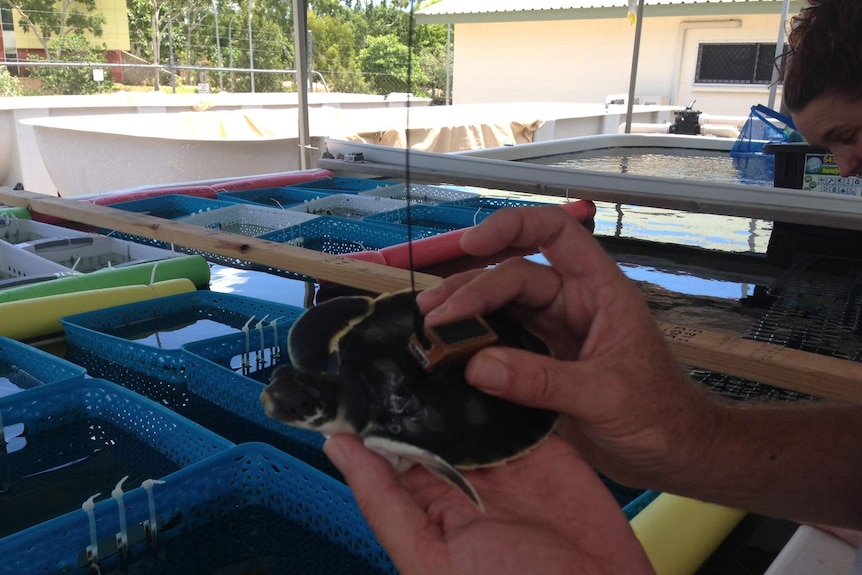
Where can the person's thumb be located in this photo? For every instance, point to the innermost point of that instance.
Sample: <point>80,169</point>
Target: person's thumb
<point>524,377</point>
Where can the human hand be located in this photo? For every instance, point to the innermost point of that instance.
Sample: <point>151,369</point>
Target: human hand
<point>546,512</point>
<point>627,404</point>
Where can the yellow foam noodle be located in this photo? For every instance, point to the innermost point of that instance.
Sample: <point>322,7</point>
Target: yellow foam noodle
<point>679,534</point>
<point>40,317</point>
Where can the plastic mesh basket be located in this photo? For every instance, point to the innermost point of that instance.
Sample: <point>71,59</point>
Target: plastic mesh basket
<point>274,197</point>
<point>489,203</point>
<point>70,440</point>
<point>348,206</point>
<point>171,206</point>
<point>342,185</point>
<point>334,235</point>
<point>250,509</point>
<point>420,194</point>
<point>24,367</point>
<point>130,343</point>
<point>16,231</point>
<point>225,396</point>
<point>247,219</point>
<point>438,218</point>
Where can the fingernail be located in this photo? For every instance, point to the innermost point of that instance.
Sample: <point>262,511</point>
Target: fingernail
<point>488,373</point>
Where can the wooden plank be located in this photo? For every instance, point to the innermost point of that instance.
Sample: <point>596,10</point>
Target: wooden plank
<point>790,369</point>
<point>325,267</point>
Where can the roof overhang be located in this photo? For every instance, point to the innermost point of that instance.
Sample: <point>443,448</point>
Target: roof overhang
<point>438,14</point>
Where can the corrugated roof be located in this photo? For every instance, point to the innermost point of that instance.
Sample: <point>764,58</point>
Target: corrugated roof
<point>506,10</point>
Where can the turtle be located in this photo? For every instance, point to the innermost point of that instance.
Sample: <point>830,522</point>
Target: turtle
<point>351,371</point>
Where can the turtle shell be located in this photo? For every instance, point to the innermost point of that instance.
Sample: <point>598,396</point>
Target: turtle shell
<point>353,352</point>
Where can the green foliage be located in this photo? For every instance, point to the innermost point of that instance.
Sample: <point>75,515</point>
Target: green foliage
<point>72,80</point>
<point>51,19</point>
<point>385,62</point>
<point>341,30</point>
<point>9,84</point>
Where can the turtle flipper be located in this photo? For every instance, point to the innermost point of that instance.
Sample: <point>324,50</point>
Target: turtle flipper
<point>403,455</point>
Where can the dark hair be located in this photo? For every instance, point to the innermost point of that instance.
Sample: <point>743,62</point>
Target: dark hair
<point>825,52</point>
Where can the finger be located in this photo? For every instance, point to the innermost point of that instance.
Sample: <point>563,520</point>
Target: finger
<point>401,526</point>
<point>558,235</point>
<point>528,379</point>
<point>431,298</point>
<point>516,281</point>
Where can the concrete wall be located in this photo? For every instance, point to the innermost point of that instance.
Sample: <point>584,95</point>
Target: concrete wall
<point>586,60</point>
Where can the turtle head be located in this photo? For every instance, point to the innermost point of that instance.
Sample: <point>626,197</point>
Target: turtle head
<point>304,399</point>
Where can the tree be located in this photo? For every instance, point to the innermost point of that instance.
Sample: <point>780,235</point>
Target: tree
<point>9,84</point>
<point>72,80</point>
<point>49,18</point>
<point>384,61</point>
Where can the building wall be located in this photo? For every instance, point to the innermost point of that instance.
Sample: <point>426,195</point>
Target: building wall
<point>115,34</point>
<point>587,60</point>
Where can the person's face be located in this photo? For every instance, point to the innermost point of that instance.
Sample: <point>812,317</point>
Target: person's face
<point>834,122</point>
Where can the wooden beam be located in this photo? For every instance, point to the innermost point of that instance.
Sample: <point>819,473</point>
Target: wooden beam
<point>805,372</point>
<point>325,267</point>
<point>795,370</point>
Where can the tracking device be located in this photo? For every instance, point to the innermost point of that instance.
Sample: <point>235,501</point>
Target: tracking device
<point>452,343</point>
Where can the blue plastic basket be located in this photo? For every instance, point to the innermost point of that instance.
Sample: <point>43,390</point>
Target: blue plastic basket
<point>274,197</point>
<point>24,367</point>
<point>488,203</point>
<point>438,218</point>
<point>250,509</point>
<point>334,235</point>
<point>99,340</point>
<point>225,397</point>
<point>171,206</point>
<point>70,440</point>
<point>421,193</point>
<point>342,185</point>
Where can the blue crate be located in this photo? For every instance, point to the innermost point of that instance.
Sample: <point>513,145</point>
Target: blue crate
<point>171,206</point>
<point>274,197</point>
<point>334,235</point>
<point>24,367</point>
<point>250,509</point>
<point>97,339</point>
<point>438,218</point>
<point>342,185</point>
<point>488,203</point>
<point>70,440</point>
<point>231,395</point>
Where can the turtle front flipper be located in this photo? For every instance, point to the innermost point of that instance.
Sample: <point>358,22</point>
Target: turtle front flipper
<point>403,455</point>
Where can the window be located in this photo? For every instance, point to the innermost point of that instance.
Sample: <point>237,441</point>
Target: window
<point>735,63</point>
<point>6,16</point>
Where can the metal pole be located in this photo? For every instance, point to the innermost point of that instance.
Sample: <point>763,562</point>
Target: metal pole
<point>218,47</point>
<point>634,75</point>
<point>230,54</point>
<point>171,53</point>
<point>250,46</point>
<point>779,50</point>
<point>448,64</point>
<point>300,35</point>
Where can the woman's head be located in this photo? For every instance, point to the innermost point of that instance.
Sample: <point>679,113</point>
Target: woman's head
<point>823,78</point>
<point>825,53</point>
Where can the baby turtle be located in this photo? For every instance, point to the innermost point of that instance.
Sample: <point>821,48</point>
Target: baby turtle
<point>352,373</point>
